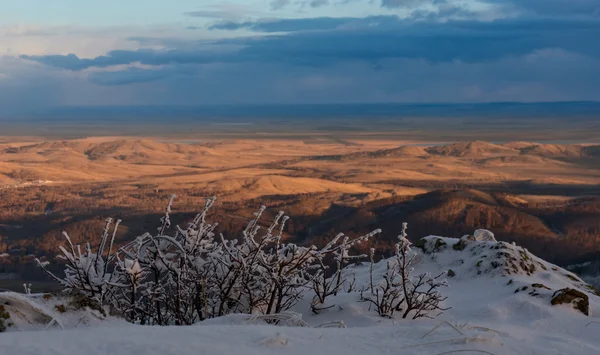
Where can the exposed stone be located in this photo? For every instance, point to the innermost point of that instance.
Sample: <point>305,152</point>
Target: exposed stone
<point>420,243</point>
<point>462,243</point>
<point>578,299</point>
<point>4,319</point>
<point>571,277</point>
<point>522,288</point>
<point>431,245</point>
<point>78,301</point>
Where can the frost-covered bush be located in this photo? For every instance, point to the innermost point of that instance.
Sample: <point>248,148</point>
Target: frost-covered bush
<point>324,286</point>
<point>192,274</point>
<point>414,296</point>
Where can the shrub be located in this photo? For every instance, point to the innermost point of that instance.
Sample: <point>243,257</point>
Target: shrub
<point>193,274</point>
<point>401,291</point>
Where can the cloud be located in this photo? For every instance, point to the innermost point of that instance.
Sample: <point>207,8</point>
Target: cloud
<point>370,39</point>
<point>28,86</point>
<point>303,24</point>
<point>280,4</point>
<point>194,55</point>
<point>542,75</point>
<point>134,75</point>
<point>319,3</point>
<point>218,14</point>
<point>86,42</point>
<point>402,3</point>
<point>227,11</point>
<point>560,8</point>
<point>441,51</point>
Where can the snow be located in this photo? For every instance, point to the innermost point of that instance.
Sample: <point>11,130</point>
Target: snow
<point>487,316</point>
<point>217,339</point>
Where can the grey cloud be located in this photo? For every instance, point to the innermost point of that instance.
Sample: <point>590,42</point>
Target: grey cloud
<point>136,75</point>
<point>319,3</point>
<point>549,74</point>
<point>403,3</point>
<point>553,7</point>
<point>29,87</point>
<point>218,14</point>
<point>279,4</point>
<point>225,11</point>
<point>372,59</point>
<point>545,75</point>
<point>444,9</point>
<point>123,57</point>
<point>302,24</point>
<point>371,40</point>
<point>167,42</point>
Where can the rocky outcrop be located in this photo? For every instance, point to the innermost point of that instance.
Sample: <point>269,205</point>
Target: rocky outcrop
<point>579,300</point>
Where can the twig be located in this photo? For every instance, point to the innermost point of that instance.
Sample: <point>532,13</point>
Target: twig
<point>439,325</point>
<point>466,350</point>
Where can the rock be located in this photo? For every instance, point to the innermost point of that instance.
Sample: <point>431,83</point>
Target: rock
<point>431,244</point>
<point>4,319</point>
<point>462,243</point>
<point>420,243</point>
<point>520,289</point>
<point>78,302</point>
<point>439,245</point>
<point>578,299</point>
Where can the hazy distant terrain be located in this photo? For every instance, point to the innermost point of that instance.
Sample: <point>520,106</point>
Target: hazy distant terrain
<point>560,122</point>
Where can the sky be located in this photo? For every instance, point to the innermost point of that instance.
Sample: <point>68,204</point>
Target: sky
<point>198,52</point>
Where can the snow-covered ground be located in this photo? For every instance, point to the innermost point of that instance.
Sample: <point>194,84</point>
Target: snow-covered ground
<point>488,316</point>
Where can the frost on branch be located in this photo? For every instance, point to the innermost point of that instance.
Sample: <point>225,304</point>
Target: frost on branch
<point>181,276</point>
<point>325,286</point>
<point>192,274</point>
<point>401,291</point>
<point>87,272</point>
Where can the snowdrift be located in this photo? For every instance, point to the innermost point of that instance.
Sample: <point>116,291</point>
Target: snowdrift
<point>500,298</point>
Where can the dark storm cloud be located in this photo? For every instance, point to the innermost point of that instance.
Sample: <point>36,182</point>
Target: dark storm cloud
<point>554,7</point>
<point>332,41</point>
<point>136,75</point>
<point>403,3</point>
<point>541,51</point>
<point>303,24</point>
<point>558,8</point>
<point>122,57</point>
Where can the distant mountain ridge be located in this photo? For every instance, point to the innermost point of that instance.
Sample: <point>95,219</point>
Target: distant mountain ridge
<point>572,109</point>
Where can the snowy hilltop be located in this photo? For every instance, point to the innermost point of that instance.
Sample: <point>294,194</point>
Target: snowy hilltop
<point>261,295</point>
